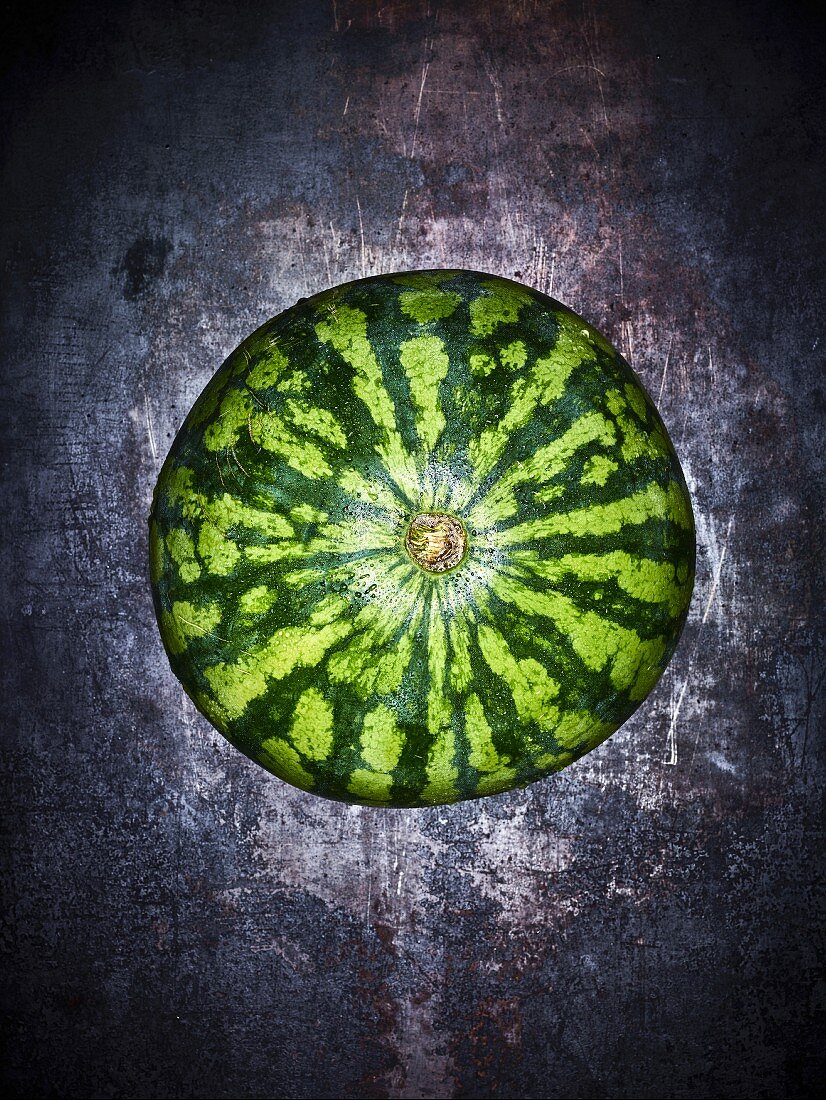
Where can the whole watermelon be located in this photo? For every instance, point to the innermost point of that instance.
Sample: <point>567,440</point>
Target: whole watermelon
<point>422,538</point>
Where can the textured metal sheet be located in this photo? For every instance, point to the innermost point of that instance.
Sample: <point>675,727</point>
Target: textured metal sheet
<point>181,924</point>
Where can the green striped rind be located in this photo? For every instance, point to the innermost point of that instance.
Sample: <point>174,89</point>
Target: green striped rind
<point>289,607</point>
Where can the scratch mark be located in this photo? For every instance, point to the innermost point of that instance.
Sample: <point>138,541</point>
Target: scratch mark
<point>418,111</point>
<point>401,217</point>
<point>361,234</point>
<point>149,431</point>
<point>665,367</point>
<point>238,461</point>
<point>437,230</point>
<point>629,341</point>
<point>599,75</point>
<point>346,105</point>
<point>367,907</point>
<point>497,88</point>
<point>220,475</point>
<point>671,739</point>
<point>685,425</point>
<point>502,188</point>
<point>541,261</point>
<point>580,65</point>
<point>590,140</point>
<point>716,579</point>
<point>204,631</point>
<point>303,257</point>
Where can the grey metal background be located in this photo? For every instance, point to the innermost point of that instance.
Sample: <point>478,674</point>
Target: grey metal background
<point>181,924</point>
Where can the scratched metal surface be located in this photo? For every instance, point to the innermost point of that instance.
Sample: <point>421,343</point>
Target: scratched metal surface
<point>179,923</point>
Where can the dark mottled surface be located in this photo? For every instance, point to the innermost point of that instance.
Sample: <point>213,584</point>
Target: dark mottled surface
<point>177,922</point>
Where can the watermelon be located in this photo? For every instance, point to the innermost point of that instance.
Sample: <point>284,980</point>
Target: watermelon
<point>422,538</point>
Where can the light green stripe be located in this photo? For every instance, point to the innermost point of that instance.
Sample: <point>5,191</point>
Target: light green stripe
<point>436,491</point>
<point>580,725</point>
<point>298,382</point>
<point>346,330</point>
<point>267,370</point>
<point>597,470</point>
<point>381,740</point>
<point>543,384</point>
<point>425,280</point>
<point>441,770</point>
<point>369,491</point>
<point>549,493</point>
<point>459,492</point>
<point>400,466</point>
<point>186,621</point>
<point>532,688</point>
<point>636,442</point>
<point>270,555</point>
<point>643,579</point>
<point>652,582</point>
<point>392,666</point>
<point>317,421</point>
<point>240,413</point>
<point>182,551</point>
<point>233,418</point>
<point>227,511</point>
<point>438,707</point>
<point>636,400</point>
<point>180,489</point>
<point>271,433</point>
<point>425,364</point>
<point>498,306</point>
<point>428,305</point>
<point>157,550</point>
<point>305,513</point>
<point>461,673</point>
<point>595,640</point>
<point>605,519</point>
<point>368,663</point>
<point>370,786</point>
<point>366,673</point>
<point>235,685</point>
<point>483,755</point>
<point>311,731</point>
<point>218,552</point>
<point>257,601</point>
<point>335,538</point>
<point>550,460</point>
<point>385,576</point>
<point>482,364</point>
<point>328,610</point>
<point>281,758</point>
<point>514,356</point>
<point>298,578</point>
<point>353,536</point>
